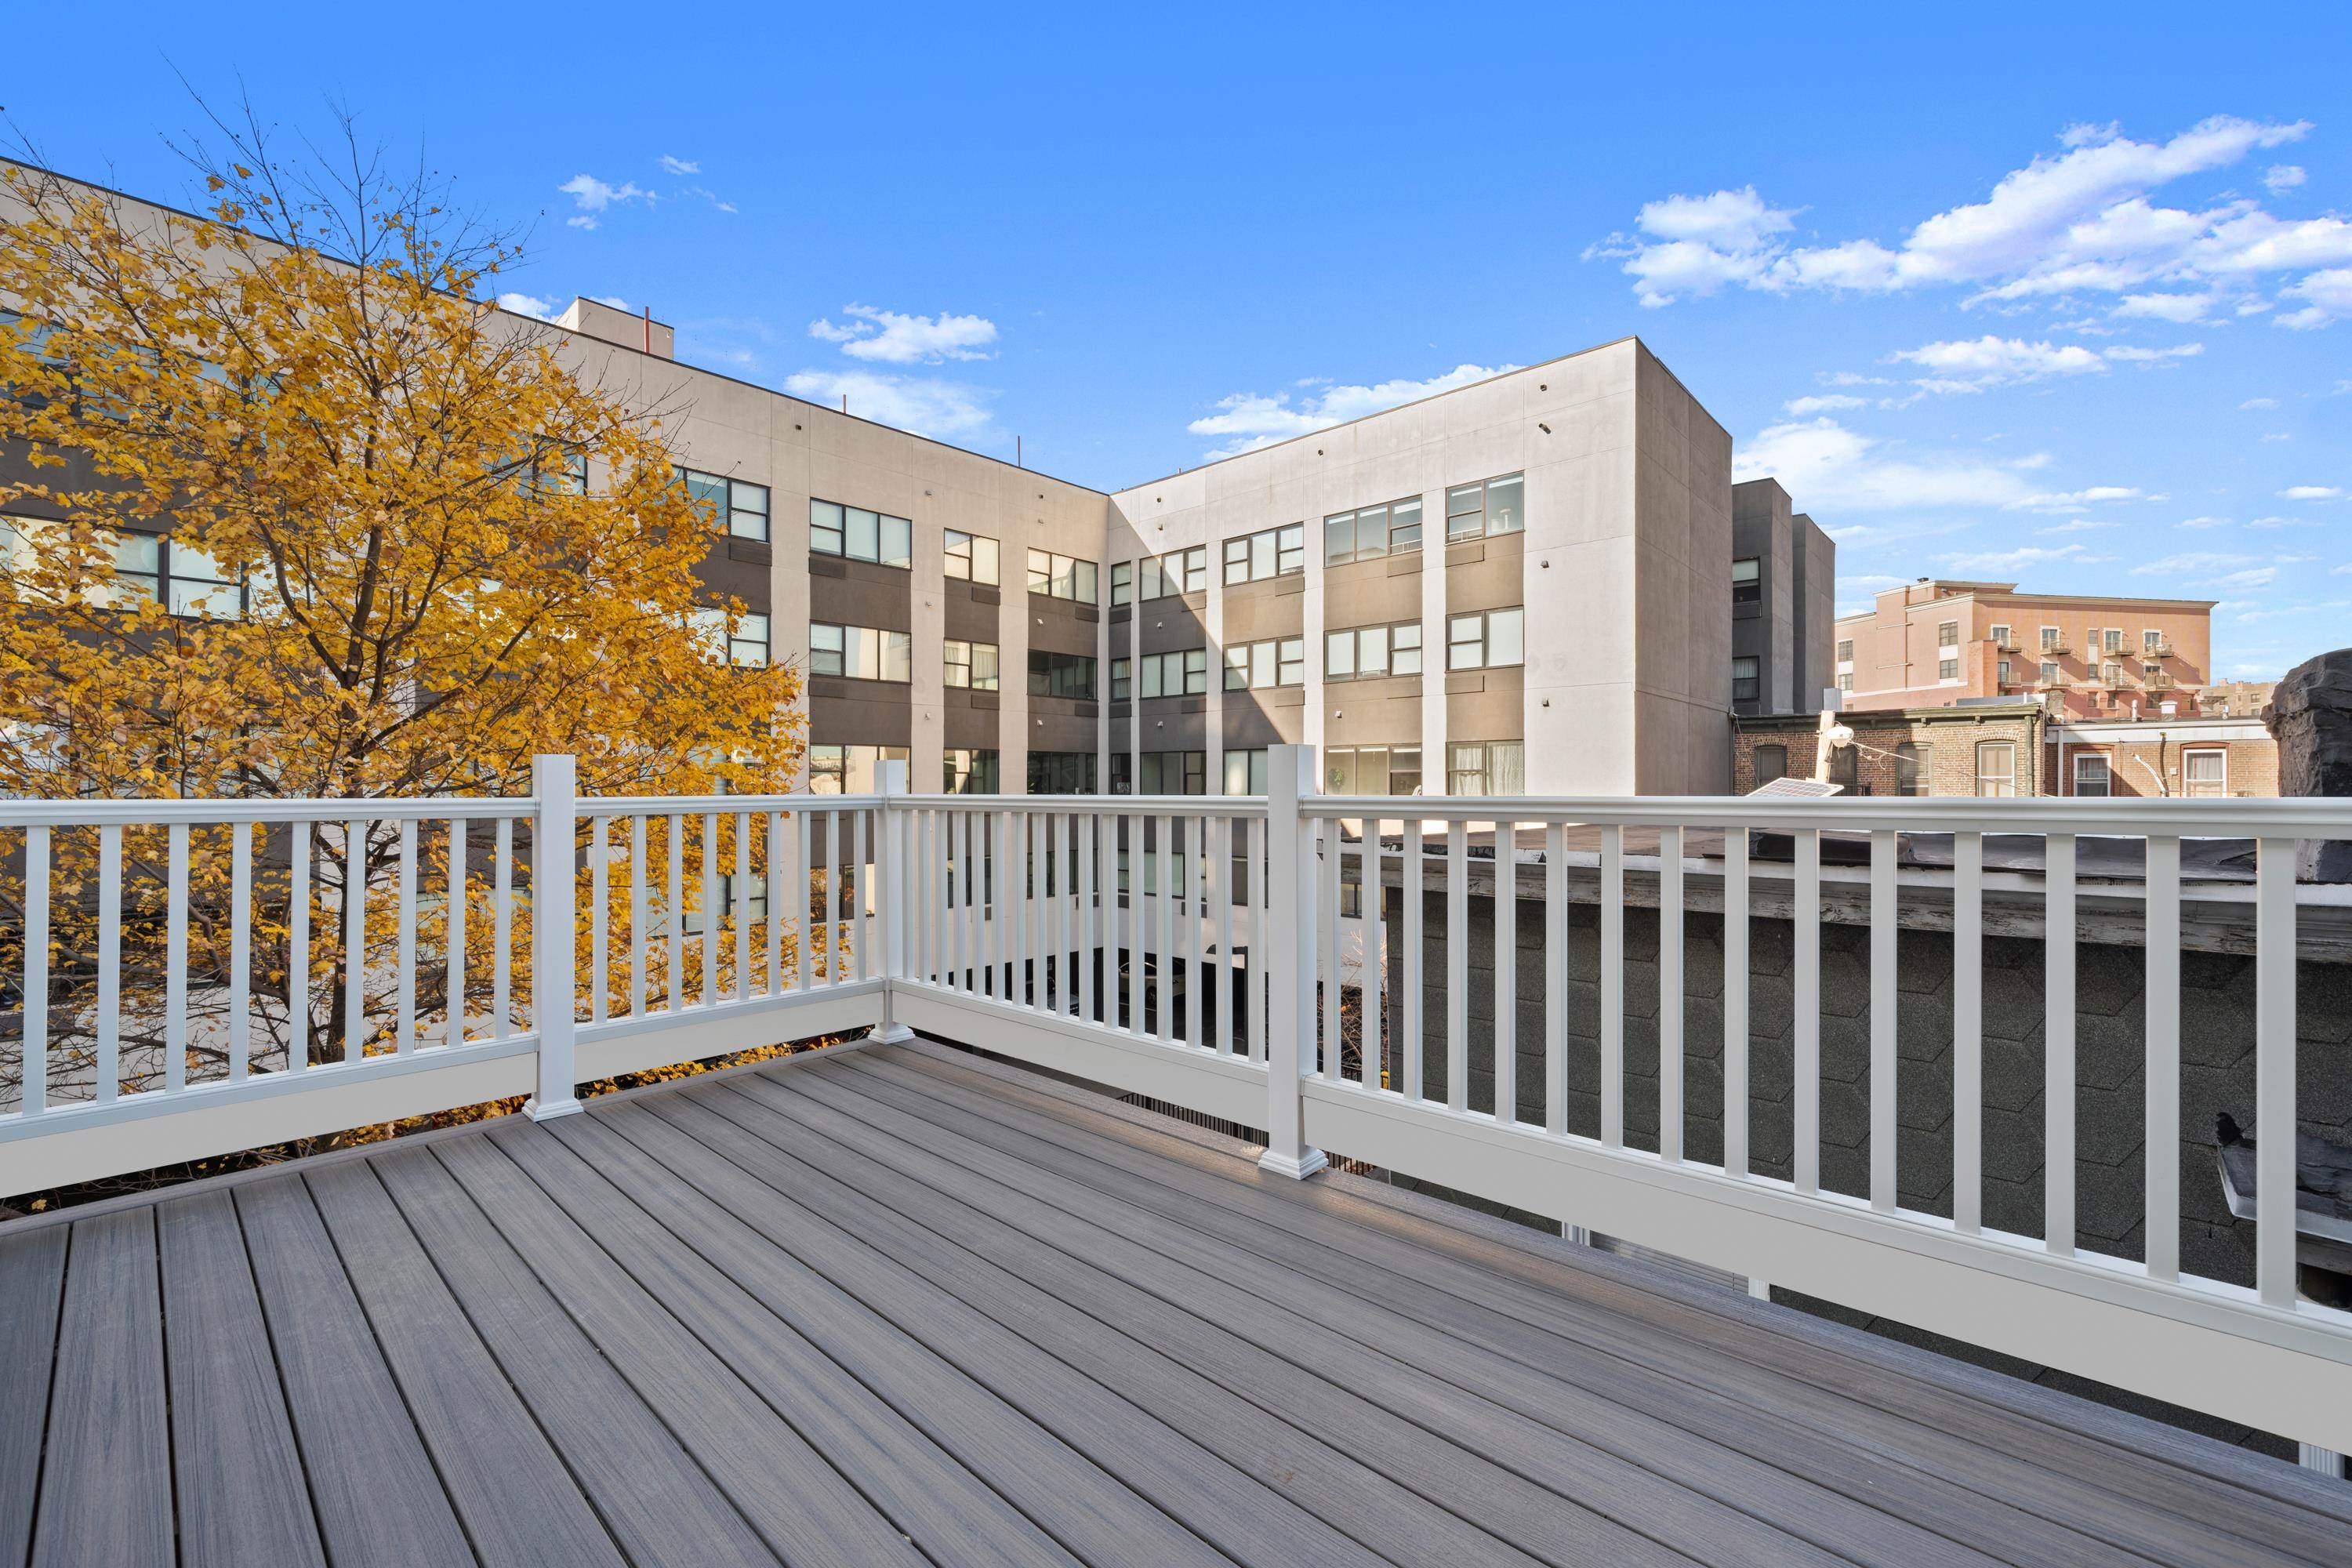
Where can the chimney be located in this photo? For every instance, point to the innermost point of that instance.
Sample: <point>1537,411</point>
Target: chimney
<point>607,323</point>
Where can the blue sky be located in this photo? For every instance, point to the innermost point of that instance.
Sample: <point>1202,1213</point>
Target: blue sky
<point>2061,294</point>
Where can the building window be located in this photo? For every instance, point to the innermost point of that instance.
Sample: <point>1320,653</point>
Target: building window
<point>1278,661</point>
<point>969,771</point>
<point>1367,652</point>
<point>1070,675</point>
<point>1270,552</point>
<point>1745,679</point>
<point>849,769</point>
<point>1845,769</point>
<point>1771,763</point>
<point>1747,581</point>
<point>739,508</point>
<point>1122,583</point>
<point>1845,680</point>
<point>1996,767</point>
<point>2049,639</point>
<point>972,557</point>
<point>972,665</point>
<point>2149,642</point>
<point>1246,771</point>
<point>2000,635</point>
<point>1182,673</point>
<point>859,534</point>
<point>1485,639</point>
<point>1055,576</point>
<point>747,644</point>
<point>2092,776</point>
<point>1061,773</point>
<point>1947,633</point>
<point>1914,771</point>
<point>189,582</point>
<point>1845,651</point>
<point>1370,532</point>
<point>1491,506</point>
<point>860,653</point>
<point>2111,673</point>
<point>1947,670</point>
<point>2115,640</point>
<point>2205,774</point>
<point>2004,672</point>
<point>1372,769</point>
<point>1178,572</point>
<point>1161,772</point>
<point>2049,672</point>
<point>1486,767</point>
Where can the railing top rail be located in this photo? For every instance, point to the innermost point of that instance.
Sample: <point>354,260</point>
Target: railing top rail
<point>20,812</point>
<point>696,805</point>
<point>1241,805</point>
<point>2125,818</point>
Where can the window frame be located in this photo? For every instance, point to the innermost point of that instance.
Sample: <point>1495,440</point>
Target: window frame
<point>2188,753</point>
<point>1747,590</point>
<point>971,665</point>
<point>884,647</point>
<point>2105,767</point>
<point>971,558</point>
<point>1059,667</point>
<point>727,506</point>
<point>1485,772</point>
<point>1456,533</point>
<point>2006,753</point>
<point>1915,768</point>
<point>1258,563</point>
<point>1391,646</point>
<point>1082,577</point>
<point>1753,680</point>
<point>1756,760</point>
<point>1484,640</point>
<point>844,530</point>
<point>1388,523</point>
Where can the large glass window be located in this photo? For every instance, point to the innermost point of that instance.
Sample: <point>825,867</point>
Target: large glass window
<point>1372,769</point>
<point>972,557</point>
<point>1486,767</point>
<point>1062,577</point>
<point>969,771</point>
<point>1270,552</point>
<point>1485,639</point>
<point>860,535</point>
<point>1061,773</point>
<point>1490,506</point>
<point>1996,767</point>
<point>187,580</point>
<point>2205,774</point>
<point>860,653</point>
<point>1745,682</point>
<point>1367,533</point>
<point>1277,661</point>
<point>1245,770</point>
<point>1183,672</point>
<point>738,507</point>
<point>1365,653</point>
<point>2092,776</point>
<point>1178,572</point>
<point>1068,675</point>
<point>1171,773</point>
<point>1771,763</point>
<point>849,769</point>
<point>1913,768</point>
<point>1122,583</point>
<point>1747,582</point>
<point>973,665</point>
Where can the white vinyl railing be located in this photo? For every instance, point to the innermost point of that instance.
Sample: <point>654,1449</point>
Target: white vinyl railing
<point>1206,951</point>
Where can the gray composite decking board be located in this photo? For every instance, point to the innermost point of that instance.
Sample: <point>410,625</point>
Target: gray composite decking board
<point>373,1492</point>
<point>488,1450</point>
<point>750,1302</point>
<point>1872,1500</point>
<point>1066,1355</point>
<point>658,1503</point>
<point>106,1478</point>
<point>1498,1496</point>
<point>1177,1479</point>
<point>2065,1487</point>
<point>1058,1137</point>
<point>824,1469</point>
<point>32,1283</point>
<point>1624,1461</point>
<point>243,1502</point>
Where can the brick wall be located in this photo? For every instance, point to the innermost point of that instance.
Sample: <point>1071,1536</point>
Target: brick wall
<point>2135,765</point>
<point>1948,744</point>
<point>2217,1068</point>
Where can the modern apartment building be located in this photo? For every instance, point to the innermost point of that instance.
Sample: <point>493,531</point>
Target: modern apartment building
<point>1937,641</point>
<point>1528,585</point>
<point>1783,600</point>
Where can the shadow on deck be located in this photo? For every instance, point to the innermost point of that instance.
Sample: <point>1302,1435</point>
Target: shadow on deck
<point>898,1305</point>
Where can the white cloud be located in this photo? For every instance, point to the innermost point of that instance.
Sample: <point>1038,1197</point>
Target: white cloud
<point>1833,466</point>
<point>529,305</point>
<point>2072,222</point>
<point>2258,577</point>
<point>2080,525</point>
<point>2273,522</point>
<point>2330,296</point>
<point>2260,402</point>
<point>2202,522</point>
<point>1250,420</point>
<point>925,404</point>
<point>2128,355</point>
<point>1852,378</point>
<point>594,197</point>
<point>2311,492</point>
<point>2283,176</point>
<point>2177,308</point>
<point>1825,403</point>
<point>890,338</point>
<point>2190,562</point>
<point>2023,556</point>
<point>2278,436</point>
<point>1972,364</point>
<point>2067,500</point>
<point>671,165</point>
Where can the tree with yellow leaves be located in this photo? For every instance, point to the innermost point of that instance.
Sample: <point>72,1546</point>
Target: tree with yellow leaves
<point>289,511</point>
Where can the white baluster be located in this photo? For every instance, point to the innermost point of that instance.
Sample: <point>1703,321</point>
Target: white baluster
<point>2162,1230</point>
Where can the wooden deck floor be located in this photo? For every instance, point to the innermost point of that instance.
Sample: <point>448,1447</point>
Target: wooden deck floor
<point>898,1305</point>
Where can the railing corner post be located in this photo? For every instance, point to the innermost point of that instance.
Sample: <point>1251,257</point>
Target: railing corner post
<point>890,869</point>
<point>553,977</point>
<point>1289,941</point>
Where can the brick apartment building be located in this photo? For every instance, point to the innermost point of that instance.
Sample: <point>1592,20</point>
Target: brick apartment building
<point>1938,641</point>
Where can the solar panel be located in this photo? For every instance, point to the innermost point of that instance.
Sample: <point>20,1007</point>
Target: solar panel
<point>1802,789</point>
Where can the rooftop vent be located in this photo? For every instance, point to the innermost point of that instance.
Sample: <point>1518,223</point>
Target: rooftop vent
<point>594,319</point>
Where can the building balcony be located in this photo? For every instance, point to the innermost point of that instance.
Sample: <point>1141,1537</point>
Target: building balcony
<point>2163,649</point>
<point>2160,681</point>
<point>974,1297</point>
<point>2061,648</point>
<point>2007,644</point>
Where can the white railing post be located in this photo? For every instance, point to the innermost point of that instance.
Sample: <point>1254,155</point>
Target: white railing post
<point>892,872</point>
<point>1288,953</point>
<point>553,788</point>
